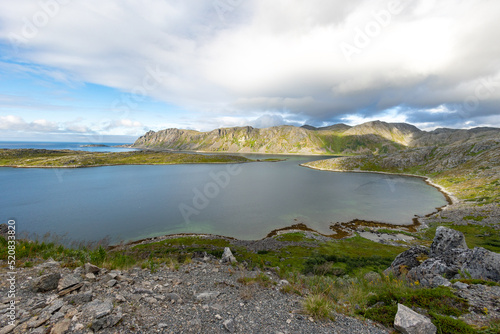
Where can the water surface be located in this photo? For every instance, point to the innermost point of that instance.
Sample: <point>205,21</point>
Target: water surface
<point>245,201</point>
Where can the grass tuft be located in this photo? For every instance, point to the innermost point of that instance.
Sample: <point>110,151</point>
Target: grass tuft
<point>318,307</point>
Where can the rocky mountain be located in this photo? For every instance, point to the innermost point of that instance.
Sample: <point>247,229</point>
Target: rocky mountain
<point>371,137</point>
<point>465,162</point>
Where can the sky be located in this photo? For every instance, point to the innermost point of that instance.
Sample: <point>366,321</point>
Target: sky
<point>113,70</point>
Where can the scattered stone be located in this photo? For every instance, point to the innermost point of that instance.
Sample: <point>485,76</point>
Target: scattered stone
<point>37,321</point>
<point>69,283</point>
<point>90,276</point>
<point>460,285</point>
<point>98,308</point>
<point>106,322</point>
<point>91,269</point>
<point>61,327</point>
<point>408,321</point>
<point>207,295</point>
<point>46,282</point>
<point>55,306</point>
<point>111,283</point>
<point>173,297</point>
<point>229,325</point>
<point>78,299</point>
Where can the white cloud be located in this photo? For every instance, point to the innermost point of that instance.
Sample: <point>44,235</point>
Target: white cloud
<point>16,123</point>
<point>267,57</point>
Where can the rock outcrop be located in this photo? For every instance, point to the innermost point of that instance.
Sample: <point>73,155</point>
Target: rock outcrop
<point>448,258</point>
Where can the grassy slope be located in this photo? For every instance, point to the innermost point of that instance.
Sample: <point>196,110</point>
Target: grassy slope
<point>67,158</point>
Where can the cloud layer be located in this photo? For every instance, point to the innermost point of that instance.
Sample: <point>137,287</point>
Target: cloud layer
<point>432,63</point>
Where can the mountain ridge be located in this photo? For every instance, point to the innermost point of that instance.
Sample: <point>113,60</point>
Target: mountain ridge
<point>370,137</point>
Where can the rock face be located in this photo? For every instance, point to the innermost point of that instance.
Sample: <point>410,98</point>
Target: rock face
<point>408,321</point>
<point>446,239</point>
<point>449,258</point>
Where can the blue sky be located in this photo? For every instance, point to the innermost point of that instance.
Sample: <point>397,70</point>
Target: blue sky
<point>115,69</point>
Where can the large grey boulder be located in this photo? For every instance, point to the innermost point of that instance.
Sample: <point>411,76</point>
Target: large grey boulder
<point>408,321</point>
<point>445,240</point>
<point>449,258</point>
<point>482,263</point>
<point>408,260</point>
<point>431,268</point>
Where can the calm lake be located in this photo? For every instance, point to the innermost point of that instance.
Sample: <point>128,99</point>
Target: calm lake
<point>245,201</point>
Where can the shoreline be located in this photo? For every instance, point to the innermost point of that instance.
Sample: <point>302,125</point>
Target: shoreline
<point>450,198</point>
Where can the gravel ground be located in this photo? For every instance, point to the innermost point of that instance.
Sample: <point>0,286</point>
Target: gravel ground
<point>201,297</point>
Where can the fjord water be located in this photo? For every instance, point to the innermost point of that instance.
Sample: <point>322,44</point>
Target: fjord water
<point>245,201</point>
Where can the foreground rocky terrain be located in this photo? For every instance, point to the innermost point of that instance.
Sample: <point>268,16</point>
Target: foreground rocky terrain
<point>204,296</point>
<point>450,258</point>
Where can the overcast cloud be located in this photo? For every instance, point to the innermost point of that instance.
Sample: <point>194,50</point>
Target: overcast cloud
<point>235,62</point>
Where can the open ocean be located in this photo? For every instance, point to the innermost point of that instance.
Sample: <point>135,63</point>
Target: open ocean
<point>65,146</point>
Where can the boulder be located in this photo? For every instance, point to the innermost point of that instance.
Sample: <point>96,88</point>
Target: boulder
<point>445,240</point>
<point>449,258</point>
<point>227,256</point>
<point>482,263</point>
<point>430,268</point>
<point>408,321</point>
<point>408,260</point>
<point>46,282</point>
